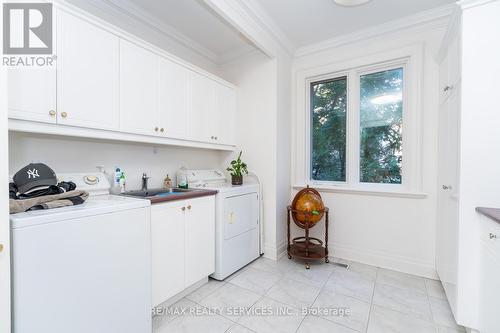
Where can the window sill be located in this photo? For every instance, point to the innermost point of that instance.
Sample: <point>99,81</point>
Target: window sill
<point>364,191</point>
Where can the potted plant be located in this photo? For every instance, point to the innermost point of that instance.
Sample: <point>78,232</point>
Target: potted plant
<point>237,169</point>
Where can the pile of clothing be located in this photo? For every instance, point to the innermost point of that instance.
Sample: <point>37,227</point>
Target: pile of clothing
<point>35,187</point>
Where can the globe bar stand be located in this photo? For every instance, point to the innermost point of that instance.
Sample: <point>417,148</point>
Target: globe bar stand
<point>307,248</point>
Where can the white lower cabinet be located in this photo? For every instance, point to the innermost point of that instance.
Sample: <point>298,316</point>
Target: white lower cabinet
<point>183,245</point>
<point>489,299</point>
<point>200,239</point>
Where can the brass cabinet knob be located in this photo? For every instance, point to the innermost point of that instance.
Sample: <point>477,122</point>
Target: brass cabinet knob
<point>156,129</point>
<point>52,113</point>
<point>1,247</point>
<point>64,114</point>
<point>162,130</point>
<point>189,206</point>
<point>183,208</point>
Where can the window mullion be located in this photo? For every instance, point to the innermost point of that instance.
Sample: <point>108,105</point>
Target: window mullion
<point>353,131</point>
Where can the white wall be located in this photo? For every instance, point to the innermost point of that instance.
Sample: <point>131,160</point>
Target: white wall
<point>392,232</point>
<point>255,76</point>
<point>78,155</point>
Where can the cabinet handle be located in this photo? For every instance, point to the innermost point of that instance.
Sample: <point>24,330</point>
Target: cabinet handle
<point>447,88</point>
<point>215,137</point>
<point>156,129</point>
<point>183,208</point>
<point>64,114</point>
<point>162,130</point>
<point>52,113</point>
<point>493,236</point>
<point>1,247</point>
<point>446,187</point>
<point>212,137</point>
<point>189,206</point>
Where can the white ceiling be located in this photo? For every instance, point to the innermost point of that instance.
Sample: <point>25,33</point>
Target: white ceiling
<point>196,21</point>
<point>306,22</point>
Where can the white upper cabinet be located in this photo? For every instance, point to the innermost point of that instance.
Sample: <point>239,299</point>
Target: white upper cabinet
<point>225,107</point>
<point>138,90</point>
<point>202,107</point>
<point>32,94</point>
<point>87,74</point>
<point>104,79</point>
<point>173,99</point>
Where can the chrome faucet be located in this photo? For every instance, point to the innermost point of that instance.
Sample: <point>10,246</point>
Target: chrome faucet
<point>145,182</point>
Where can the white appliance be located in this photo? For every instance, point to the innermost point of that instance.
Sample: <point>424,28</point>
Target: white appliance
<point>237,219</point>
<point>84,268</point>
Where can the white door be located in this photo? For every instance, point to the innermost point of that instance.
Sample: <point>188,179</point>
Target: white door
<point>4,207</point>
<point>167,243</point>
<point>87,74</point>
<point>200,239</point>
<point>138,90</point>
<point>173,99</point>
<point>32,94</point>
<point>448,196</point>
<point>224,114</point>
<point>202,108</point>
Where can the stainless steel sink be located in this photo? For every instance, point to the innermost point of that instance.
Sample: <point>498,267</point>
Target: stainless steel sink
<point>158,192</point>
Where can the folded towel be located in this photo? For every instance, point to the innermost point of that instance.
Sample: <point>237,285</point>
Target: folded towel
<point>69,198</point>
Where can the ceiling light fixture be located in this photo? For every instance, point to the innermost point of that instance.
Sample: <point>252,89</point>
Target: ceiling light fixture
<point>351,3</point>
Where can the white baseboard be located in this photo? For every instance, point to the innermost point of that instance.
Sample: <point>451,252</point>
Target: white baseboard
<point>384,260</point>
<point>275,253</point>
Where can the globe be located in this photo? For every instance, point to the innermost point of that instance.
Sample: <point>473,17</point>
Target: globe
<point>308,201</point>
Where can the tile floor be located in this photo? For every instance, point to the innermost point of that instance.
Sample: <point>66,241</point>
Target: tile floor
<point>282,296</point>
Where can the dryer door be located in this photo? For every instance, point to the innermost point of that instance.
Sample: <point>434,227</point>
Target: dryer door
<point>241,214</point>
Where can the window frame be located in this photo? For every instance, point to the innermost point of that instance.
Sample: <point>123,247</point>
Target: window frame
<point>411,60</point>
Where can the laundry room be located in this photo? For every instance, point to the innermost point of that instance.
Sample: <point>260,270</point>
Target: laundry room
<point>213,166</point>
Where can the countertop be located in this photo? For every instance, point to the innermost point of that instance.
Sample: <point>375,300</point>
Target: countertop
<point>492,213</point>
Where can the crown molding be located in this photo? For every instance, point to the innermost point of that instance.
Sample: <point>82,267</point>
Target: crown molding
<point>138,14</point>
<point>261,17</point>
<point>415,20</point>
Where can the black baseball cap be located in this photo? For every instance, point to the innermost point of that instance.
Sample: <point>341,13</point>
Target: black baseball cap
<point>34,175</point>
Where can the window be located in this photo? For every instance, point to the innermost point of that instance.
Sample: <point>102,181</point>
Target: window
<point>329,129</point>
<point>381,126</point>
<point>356,127</point>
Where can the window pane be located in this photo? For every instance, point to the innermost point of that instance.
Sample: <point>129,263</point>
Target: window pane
<point>329,107</point>
<point>381,124</point>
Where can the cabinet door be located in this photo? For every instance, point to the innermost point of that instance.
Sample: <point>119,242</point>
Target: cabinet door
<point>200,239</point>
<point>173,99</point>
<point>32,94</point>
<point>138,89</point>
<point>167,242</point>
<point>224,114</point>
<point>87,74</point>
<point>202,108</point>
<point>489,296</point>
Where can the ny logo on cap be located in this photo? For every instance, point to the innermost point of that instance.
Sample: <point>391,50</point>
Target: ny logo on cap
<point>33,173</point>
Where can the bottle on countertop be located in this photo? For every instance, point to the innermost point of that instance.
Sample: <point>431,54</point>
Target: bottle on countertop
<point>167,182</point>
<point>122,182</point>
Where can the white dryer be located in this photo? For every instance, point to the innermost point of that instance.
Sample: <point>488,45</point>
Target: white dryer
<point>237,231</point>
